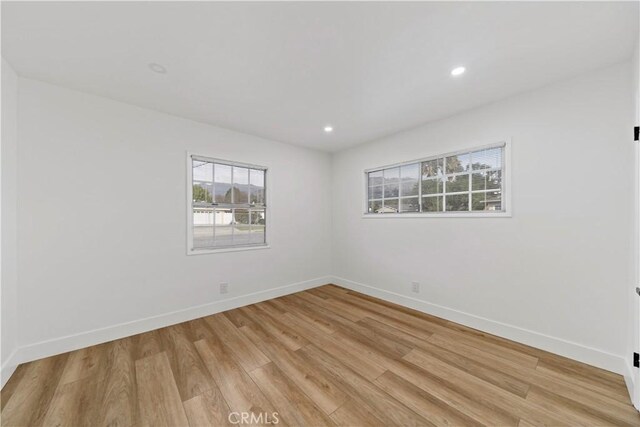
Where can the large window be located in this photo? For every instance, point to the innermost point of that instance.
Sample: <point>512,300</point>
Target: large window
<point>227,204</point>
<point>467,181</point>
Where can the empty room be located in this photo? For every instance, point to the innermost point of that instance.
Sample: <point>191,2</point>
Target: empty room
<point>320,213</point>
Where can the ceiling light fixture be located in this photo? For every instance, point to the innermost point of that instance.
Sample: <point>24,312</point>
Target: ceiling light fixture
<point>157,68</point>
<point>328,129</point>
<point>458,71</point>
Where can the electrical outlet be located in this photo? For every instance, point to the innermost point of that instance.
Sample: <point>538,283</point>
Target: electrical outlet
<point>224,287</point>
<point>415,287</point>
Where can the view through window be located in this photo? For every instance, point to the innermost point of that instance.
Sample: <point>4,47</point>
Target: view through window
<point>468,181</point>
<point>228,205</point>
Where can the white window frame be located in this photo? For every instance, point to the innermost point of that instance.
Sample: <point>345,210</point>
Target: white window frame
<point>253,246</point>
<point>506,186</point>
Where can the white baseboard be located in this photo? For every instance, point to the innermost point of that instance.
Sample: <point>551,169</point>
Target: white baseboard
<point>97,336</point>
<point>572,350</point>
<point>629,381</point>
<point>8,368</point>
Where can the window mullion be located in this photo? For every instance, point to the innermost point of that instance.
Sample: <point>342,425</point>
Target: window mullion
<point>444,184</point>
<point>420,187</point>
<point>470,170</point>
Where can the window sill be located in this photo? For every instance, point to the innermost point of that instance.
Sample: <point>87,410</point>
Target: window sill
<point>221,250</point>
<point>441,215</point>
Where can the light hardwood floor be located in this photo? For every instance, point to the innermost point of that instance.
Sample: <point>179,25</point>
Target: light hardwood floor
<point>326,356</point>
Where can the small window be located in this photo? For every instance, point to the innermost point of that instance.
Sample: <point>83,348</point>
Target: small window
<point>468,181</point>
<point>227,205</point>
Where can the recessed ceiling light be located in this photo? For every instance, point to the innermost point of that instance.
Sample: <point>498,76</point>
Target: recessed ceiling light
<point>157,68</point>
<point>458,71</point>
<point>328,129</point>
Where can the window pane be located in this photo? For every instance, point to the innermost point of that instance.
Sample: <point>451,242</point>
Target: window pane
<point>390,206</point>
<point>391,190</point>
<point>202,192</point>
<point>202,171</point>
<point>258,223</point>
<point>457,183</point>
<point>256,187</point>
<point>409,204</point>
<point>375,192</point>
<point>487,180</point>
<point>391,182</point>
<point>241,226</point>
<point>202,227</point>
<point>409,175</point>
<point>240,185</point>
<point>432,204</point>
<point>431,186</point>
<point>223,219</point>
<point>431,168</point>
<point>375,178</point>
<point>485,159</point>
<point>457,202</point>
<point>222,177</point>
<point>391,176</point>
<point>375,206</point>
<point>459,163</point>
<point>489,201</point>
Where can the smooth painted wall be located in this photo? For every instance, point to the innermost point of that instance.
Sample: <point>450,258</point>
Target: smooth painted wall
<point>561,266</point>
<point>102,214</point>
<point>8,225</point>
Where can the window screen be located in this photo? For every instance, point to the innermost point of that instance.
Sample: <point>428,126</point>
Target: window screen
<point>468,181</point>
<point>228,205</point>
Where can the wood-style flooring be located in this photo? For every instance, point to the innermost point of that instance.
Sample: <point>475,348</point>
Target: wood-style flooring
<point>326,356</point>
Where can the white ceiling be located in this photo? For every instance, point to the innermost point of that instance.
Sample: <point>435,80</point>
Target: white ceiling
<point>284,70</point>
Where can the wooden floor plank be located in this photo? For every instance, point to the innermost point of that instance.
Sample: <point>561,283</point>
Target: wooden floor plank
<point>238,318</point>
<point>354,414</point>
<point>368,394</point>
<point>274,317</point>
<point>82,364</point>
<point>589,415</point>
<point>487,393</point>
<point>198,329</point>
<point>32,397</point>
<point>305,313</point>
<point>208,409</point>
<point>238,389</point>
<point>457,396</point>
<point>189,372</point>
<point>246,352</point>
<point>147,344</point>
<point>158,396</point>
<point>331,345</point>
<point>484,371</point>
<point>74,404</point>
<point>118,388</point>
<point>569,386</point>
<point>321,390</point>
<point>427,323</point>
<point>325,303</point>
<point>11,385</point>
<point>586,376</point>
<point>436,411</point>
<point>291,403</point>
<point>327,356</point>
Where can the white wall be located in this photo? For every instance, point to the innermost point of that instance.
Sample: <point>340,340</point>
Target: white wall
<point>8,226</point>
<point>557,273</point>
<point>102,219</point>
